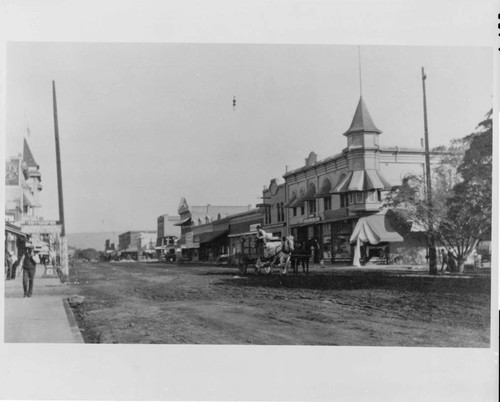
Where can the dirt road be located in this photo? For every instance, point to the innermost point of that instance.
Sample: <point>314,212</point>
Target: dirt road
<point>170,304</point>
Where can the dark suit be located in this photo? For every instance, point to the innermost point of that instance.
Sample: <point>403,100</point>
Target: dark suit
<point>29,268</point>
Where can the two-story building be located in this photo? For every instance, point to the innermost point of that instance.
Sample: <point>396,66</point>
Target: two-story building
<point>325,198</point>
<point>202,228</point>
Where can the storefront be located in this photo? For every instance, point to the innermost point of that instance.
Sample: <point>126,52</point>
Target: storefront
<point>14,247</point>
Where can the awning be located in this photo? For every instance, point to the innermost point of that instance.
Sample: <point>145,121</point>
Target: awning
<point>9,227</point>
<point>361,180</point>
<point>211,236</point>
<point>309,195</point>
<point>324,190</point>
<point>291,201</point>
<point>129,250</point>
<point>374,229</point>
<point>184,222</point>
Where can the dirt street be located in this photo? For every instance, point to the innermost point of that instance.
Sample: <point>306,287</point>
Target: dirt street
<point>170,304</point>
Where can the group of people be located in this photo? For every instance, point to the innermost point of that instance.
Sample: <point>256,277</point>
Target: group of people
<point>27,261</point>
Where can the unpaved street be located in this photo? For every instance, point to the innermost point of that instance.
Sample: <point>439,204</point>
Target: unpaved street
<point>170,304</point>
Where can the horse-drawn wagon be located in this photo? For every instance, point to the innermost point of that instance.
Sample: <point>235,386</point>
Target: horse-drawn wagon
<point>264,254</point>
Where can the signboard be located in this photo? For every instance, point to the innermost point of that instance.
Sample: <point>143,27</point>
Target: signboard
<point>312,219</point>
<point>12,172</point>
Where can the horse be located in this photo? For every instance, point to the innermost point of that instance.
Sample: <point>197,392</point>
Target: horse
<point>279,249</point>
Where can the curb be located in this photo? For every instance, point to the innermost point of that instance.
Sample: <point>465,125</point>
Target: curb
<point>75,330</point>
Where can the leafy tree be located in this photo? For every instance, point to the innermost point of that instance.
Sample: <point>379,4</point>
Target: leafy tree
<point>469,207</point>
<point>461,194</point>
<point>89,254</point>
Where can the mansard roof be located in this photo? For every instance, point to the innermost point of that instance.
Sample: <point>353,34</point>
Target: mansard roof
<point>362,121</point>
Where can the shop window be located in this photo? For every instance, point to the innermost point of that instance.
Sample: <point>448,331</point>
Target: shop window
<point>327,202</point>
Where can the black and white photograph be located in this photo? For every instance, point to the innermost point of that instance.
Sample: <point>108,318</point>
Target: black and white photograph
<point>265,209</point>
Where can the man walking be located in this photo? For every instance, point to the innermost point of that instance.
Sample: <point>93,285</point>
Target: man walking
<point>29,268</point>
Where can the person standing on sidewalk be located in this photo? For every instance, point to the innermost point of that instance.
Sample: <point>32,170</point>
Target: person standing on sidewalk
<point>29,268</point>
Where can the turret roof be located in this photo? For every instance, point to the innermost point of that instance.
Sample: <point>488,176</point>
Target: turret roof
<point>28,156</point>
<point>362,121</point>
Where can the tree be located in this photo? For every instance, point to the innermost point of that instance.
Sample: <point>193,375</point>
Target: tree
<point>469,207</point>
<point>88,254</point>
<point>461,194</point>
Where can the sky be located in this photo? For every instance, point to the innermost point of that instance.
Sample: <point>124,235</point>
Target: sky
<point>143,124</point>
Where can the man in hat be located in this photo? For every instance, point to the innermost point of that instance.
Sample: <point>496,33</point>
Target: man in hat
<point>29,267</point>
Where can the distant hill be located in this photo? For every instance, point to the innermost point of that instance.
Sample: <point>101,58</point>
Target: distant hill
<point>92,240</point>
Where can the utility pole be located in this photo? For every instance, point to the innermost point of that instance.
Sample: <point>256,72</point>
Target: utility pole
<point>431,239</point>
<point>63,246</point>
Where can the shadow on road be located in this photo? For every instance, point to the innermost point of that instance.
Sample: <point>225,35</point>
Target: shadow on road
<point>367,280</point>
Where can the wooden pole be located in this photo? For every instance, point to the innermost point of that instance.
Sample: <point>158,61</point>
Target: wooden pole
<point>63,249</point>
<point>432,240</point>
<point>58,162</point>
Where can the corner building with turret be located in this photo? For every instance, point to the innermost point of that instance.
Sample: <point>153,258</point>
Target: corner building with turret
<point>325,198</point>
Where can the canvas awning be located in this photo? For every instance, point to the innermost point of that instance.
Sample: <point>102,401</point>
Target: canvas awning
<point>361,180</point>
<point>211,236</point>
<point>324,190</point>
<point>291,201</point>
<point>183,222</point>
<point>374,229</point>
<point>9,227</point>
<point>309,195</point>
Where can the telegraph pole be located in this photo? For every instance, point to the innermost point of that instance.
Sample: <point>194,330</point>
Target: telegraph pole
<point>431,238</point>
<point>63,246</point>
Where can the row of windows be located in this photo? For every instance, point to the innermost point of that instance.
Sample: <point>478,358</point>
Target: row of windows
<point>280,213</point>
<point>352,198</point>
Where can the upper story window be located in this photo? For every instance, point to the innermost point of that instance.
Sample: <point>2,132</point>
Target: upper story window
<point>311,206</point>
<point>327,202</point>
<point>343,201</point>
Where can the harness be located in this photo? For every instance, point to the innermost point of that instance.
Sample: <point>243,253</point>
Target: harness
<point>282,250</point>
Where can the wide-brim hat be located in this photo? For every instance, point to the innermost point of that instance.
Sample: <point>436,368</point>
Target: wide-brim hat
<point>29,245</point>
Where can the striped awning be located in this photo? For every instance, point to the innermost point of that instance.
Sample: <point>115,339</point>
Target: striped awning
<point>361,180</point>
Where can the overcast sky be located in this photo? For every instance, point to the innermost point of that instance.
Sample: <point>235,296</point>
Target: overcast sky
<point>142,125</point>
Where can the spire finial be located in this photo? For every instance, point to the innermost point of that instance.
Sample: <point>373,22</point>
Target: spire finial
<point>360,80</point>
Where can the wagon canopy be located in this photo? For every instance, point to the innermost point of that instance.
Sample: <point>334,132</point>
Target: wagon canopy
<point>374,229</point>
